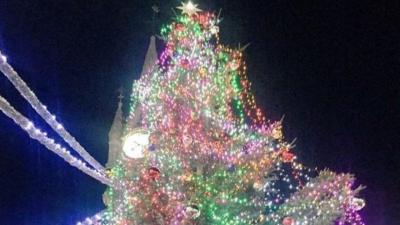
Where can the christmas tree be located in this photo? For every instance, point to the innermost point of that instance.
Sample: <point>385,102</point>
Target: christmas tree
<point>196,149</point>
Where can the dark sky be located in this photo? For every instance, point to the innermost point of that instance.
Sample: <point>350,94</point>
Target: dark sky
<point>332,67</point>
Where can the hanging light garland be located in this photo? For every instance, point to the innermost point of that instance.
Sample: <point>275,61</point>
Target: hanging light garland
<point>49,143</point>
<point>42,110</point>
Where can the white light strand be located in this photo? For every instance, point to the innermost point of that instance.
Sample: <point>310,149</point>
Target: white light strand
<point>49,143</point>
<point>41,109</point>
<point>96,219</point>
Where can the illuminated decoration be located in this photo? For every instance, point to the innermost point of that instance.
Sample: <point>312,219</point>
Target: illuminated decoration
<point>326,199</point>
<point>42,110</point>
<point>288,221</point>
<point>193,211</point>
<point>189,8</point>
<point>197,149</point>
<point>95,220</point>
<point>35,133</point>
<point>214,156</point>
<point>287,156</point>
<point>358,203</point>
<point>135,144</point>
<point>154,173</point>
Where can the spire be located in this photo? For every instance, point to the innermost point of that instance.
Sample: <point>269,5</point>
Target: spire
<point>151,56</point>
<point>135,117</point>
<point>115,135</point>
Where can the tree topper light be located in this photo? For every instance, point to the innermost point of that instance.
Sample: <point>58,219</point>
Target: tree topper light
<point>189,8</point>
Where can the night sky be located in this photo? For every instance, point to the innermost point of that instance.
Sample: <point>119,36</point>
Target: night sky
<point>331,67</point>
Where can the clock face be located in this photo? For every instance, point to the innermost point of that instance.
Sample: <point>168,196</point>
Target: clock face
<point>135,144</point>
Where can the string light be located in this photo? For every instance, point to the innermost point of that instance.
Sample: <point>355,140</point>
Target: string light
<point>3,59</point>
<point>213,157</point>
<point>41,109</point>
<point>49,143</point>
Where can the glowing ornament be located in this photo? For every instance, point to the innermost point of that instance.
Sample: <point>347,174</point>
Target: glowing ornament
<point>179,27</point>
<point>214,29</point>
<point>288,221</point>
<point>358,203</point>
<point>277,132</point>
<point>185,63</point>
<point>203,19</point>
<point>154,173</point>
<point>287,156</point>
<point>135,144</point>
<point>189,8</point>
<point>203,72</point>
<point>193,211</point>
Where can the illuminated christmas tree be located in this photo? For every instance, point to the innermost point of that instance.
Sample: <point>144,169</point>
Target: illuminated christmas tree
<point>196,149</point>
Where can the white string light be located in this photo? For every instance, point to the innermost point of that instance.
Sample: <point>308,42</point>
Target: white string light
<point>41,109</point>
<point>49,143</point>
<point>96,219</point>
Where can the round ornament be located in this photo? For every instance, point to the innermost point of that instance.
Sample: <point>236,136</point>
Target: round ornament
<point>154,173</point>
<point>214,29</point>
<point>179,27</point>
<point>288,221</point>
<point>287,156</point>
<point>193,211</point>
<point>152,147</point>
<point>185,63</point>
<point>277,133</point>
<point>203,72</point>
<point>358,203</point>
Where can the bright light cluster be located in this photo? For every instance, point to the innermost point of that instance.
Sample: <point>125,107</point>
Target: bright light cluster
<point>213,157</point>
<point>49,143</point>
<point>42,110</point>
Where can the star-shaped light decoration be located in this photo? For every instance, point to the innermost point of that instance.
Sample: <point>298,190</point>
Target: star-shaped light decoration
<point>189,8</point>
